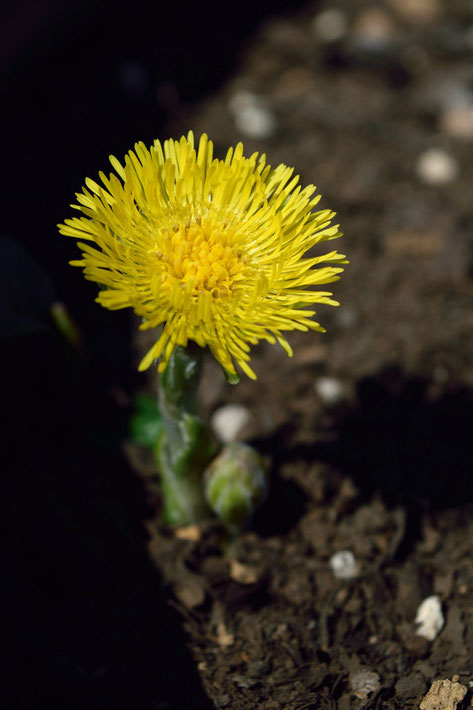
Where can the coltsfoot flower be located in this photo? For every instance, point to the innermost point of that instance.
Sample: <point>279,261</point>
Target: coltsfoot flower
<point>212,250</point>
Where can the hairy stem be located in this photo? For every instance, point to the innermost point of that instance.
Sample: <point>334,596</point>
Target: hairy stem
<point>185,447</point>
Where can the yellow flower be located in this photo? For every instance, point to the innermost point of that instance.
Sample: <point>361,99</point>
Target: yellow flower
<point>211,249</point>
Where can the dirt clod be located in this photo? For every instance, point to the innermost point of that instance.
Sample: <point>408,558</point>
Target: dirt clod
<point>443,695</point>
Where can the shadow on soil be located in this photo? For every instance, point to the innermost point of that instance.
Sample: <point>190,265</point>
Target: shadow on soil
<point>407,442</point>
<point>401,440</point>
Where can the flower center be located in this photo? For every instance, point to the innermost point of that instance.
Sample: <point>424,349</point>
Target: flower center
<point>201,257</point>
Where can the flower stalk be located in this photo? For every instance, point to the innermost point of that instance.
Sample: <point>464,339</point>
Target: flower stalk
<point>184,447</point>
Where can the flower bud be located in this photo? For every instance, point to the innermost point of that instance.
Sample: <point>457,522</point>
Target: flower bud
<point>235,484</point>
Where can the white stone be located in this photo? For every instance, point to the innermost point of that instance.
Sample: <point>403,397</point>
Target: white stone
<point>429,618</point>
<point>436,167</point>
<point>329,389</point>
<point>229,421</point>
<point>344,565</point>
<point>330,25</point>
<point>363,683</point>
<point>251,115</point>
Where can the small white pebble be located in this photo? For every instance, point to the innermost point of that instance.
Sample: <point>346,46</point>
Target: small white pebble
<point>330,25</point>
<point>251,115</point>
<point>329,389</point>
<point>429,618</point>
<point>436,167</point>
<point>344,565</point>
<point>229,421</point>
<point>363,683</point>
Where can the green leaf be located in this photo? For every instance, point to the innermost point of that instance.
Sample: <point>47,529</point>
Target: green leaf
<point>146,423</point>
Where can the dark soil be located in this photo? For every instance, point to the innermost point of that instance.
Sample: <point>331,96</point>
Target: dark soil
<point>102,606</point>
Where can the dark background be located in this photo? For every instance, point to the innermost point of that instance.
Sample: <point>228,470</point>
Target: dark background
<point>84,621</point>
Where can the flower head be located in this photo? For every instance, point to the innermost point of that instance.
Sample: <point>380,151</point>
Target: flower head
<point>212,250</point>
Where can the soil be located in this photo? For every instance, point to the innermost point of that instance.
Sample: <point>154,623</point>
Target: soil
<point>367,428</point>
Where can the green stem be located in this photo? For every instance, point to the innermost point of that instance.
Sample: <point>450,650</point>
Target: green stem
<point>185,447</point>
